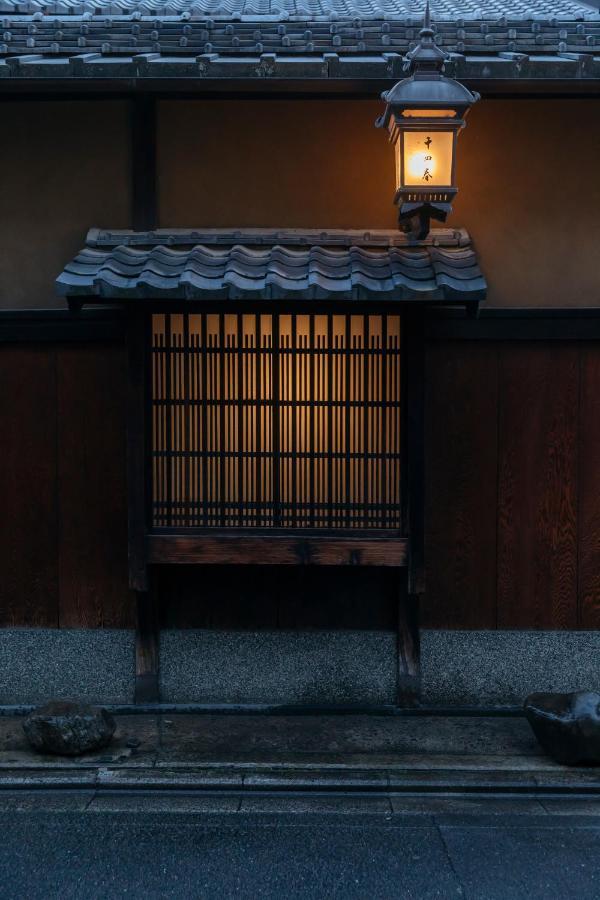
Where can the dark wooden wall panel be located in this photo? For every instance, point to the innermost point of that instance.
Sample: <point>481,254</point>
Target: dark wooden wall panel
<point>91,483</point>
<point>513,498</point>
<point>461,485</point>
<point>537,486</point>
<point>28,524</point>
<point>63,529</point>
<point>589,487</point>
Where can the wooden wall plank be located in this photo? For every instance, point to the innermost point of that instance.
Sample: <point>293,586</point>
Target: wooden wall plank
<point>537,541</point>
<point>460,486</point>
<point>28,540</point>
<point>589,487</point>
<point>94,591</point>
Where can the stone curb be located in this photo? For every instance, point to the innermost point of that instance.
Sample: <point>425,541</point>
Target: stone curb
<point>247,781</point>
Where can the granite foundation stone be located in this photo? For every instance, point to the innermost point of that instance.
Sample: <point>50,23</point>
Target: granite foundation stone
<point>500,668</point>
<point>322,667</point>
<point>279,667</point>
<point>88,665</point>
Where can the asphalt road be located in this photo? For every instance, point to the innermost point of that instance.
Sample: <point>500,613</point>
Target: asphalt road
<point>83,854</point>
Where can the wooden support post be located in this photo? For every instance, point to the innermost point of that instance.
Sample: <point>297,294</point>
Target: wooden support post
<point>144,216</point>
<point>147,628</point>
<point>144,198</point>
<point>413,481</point>
<point>416,454</point>
<point>147,646</point>
<point>136,452</point>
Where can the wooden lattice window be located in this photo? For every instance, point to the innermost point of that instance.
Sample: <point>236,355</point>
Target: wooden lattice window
<point>275,421</point>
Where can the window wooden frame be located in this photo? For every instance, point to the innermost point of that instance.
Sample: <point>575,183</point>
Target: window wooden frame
<point>403,551</point>
<point>267,546</point>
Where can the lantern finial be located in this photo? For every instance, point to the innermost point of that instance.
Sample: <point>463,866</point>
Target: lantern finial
<point>426,56</point>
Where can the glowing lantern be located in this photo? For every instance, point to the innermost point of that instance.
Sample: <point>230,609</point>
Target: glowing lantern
<point>424,114</point>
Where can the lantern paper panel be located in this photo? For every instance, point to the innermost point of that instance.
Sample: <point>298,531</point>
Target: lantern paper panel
<point>426,159</point>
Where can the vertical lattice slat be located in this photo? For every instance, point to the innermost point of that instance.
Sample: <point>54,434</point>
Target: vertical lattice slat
<point>276,421</point>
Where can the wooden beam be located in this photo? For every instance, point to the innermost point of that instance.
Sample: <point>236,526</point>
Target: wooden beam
<point>99,89</point>
<point>442,324</point>
<point>277,550</point>
<point>144,195</point>
<point>147,633</point>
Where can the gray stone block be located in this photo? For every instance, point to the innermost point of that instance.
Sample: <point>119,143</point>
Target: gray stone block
<point>312,667</point>
<point>88,665</point>
<point>500,668</point>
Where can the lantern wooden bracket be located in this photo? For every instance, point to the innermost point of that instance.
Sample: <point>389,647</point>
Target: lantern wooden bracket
<point>415,218</point>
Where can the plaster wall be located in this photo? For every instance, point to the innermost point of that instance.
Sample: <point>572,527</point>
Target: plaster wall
<point>527,171</point>
<point>64,166</point>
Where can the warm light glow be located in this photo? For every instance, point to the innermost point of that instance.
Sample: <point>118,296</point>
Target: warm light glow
<point>427,158</point>
<point>429,114</point>
<point>276,421</point>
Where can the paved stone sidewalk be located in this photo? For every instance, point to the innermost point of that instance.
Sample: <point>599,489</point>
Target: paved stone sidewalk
<point>366,754</point>
<point>365,806</point>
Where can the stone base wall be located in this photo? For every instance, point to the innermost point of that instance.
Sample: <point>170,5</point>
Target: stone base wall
<point>304,667</point>
<point>38,664</point>
<point>499,668</point>
<point>459,668</point>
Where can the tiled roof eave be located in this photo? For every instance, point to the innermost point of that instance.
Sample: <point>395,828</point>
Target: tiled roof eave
<point>582,65</point>
<point>356,266</point>
<point>409,12</point>
<point>290,39</point>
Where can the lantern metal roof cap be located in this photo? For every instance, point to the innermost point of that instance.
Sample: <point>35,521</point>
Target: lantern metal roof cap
<point>426,86</point>
<point>418,92</point>
<point>426,55</point>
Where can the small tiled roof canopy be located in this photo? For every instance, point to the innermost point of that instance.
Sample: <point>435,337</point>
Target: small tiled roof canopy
<point>294,39</point>
<point>265,264</point>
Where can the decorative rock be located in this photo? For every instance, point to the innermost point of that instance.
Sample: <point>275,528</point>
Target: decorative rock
<point>567,726</point>
<point>68,729</point>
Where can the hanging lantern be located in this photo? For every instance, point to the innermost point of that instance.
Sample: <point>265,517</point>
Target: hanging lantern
<point>423,115</point>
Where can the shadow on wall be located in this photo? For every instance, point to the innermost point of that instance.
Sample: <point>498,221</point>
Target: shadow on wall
<point>261,598</point>
<point>69,169</point>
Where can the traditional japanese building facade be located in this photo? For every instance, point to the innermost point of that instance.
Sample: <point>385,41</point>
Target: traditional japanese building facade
<point>198,179</point>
